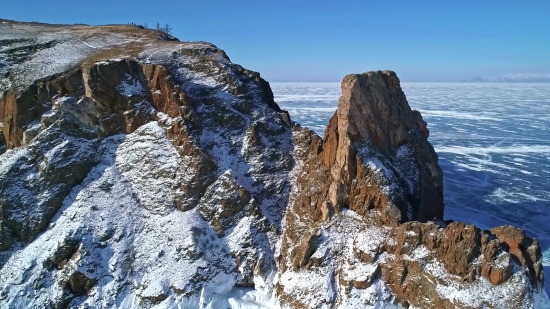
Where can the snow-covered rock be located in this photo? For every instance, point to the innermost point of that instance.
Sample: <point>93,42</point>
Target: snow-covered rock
<point>139,173</point>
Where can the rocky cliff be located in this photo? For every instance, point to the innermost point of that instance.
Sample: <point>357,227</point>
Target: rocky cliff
<point>142,173</point>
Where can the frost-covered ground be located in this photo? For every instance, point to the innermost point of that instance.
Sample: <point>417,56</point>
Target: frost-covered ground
<point>493,142</point>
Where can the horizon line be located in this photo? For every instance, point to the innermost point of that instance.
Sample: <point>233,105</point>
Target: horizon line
<point>441,82</point>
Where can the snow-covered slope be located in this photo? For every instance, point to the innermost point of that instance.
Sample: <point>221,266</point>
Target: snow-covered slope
<point>142,173</point>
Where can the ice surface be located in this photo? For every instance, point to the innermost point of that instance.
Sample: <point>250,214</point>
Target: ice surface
<point>493,142</point>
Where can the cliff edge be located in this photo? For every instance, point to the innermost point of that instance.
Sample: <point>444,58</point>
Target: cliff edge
<point>142,173</point>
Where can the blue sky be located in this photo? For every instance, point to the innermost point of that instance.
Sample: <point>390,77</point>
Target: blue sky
<point>325,40</point>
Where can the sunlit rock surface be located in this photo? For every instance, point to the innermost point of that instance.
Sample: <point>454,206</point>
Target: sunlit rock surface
<point>141,173</point>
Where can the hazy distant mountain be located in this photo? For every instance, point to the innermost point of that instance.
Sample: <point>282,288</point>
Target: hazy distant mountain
<point>515,78</point>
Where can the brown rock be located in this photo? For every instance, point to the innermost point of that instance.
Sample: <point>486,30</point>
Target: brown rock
<point>490,249</point>
<point>398,273</point>
<point>460,244</point>
<point>367,257</point>
<point>512,239</point>
<point>409,236</point>
<point>80,284</point>
<point>301,254</point>
<point>367,279</point>
<point>420,123</point>
<point>373,117</point>
<point>526,251</point>
<point>372,148</point>
<point>221,208</point>
<point>16,111</point>
<point>499,270</point>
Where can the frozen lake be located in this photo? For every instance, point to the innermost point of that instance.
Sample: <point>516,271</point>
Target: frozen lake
<point>493,142</point>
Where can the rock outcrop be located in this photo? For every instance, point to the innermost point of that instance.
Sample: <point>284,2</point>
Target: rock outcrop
<point>374,132</point>
<point>139,173</point>
<point>367,204</point>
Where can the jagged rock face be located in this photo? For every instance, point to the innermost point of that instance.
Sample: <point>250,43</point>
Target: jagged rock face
<point>139,173</point>
<point>373,132</point>
<point>138,181</point>
<point>349,230</point>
